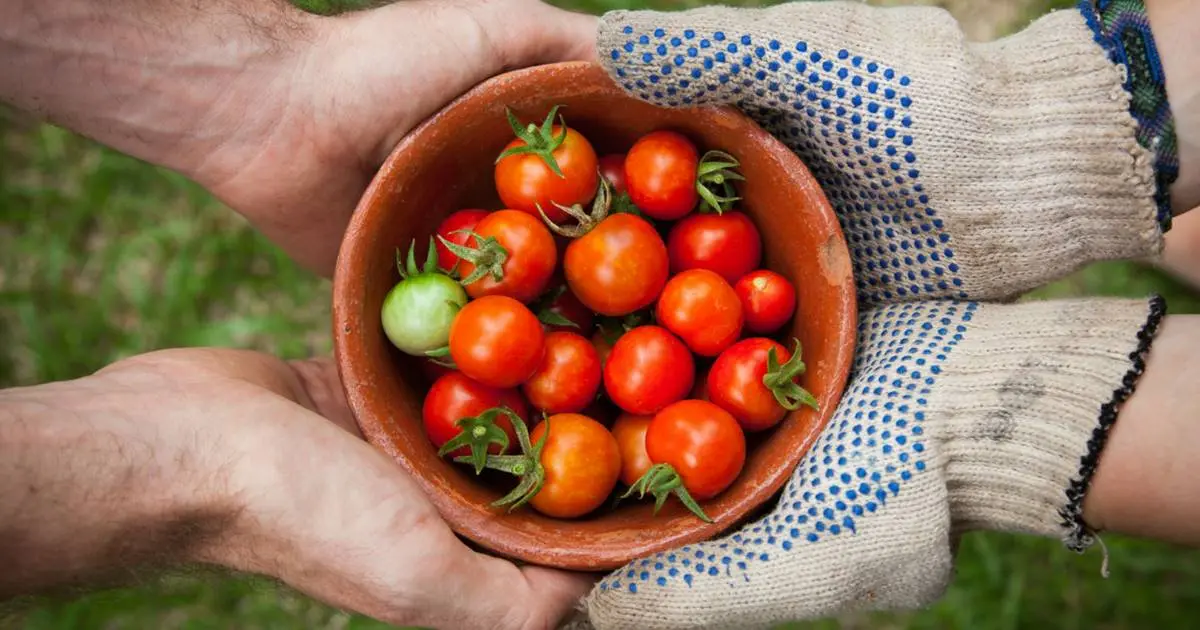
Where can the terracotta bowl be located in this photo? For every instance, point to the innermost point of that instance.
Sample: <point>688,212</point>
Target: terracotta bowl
<point>445,165</point>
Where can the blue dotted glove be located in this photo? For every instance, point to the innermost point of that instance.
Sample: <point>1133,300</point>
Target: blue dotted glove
<point>960,173</point>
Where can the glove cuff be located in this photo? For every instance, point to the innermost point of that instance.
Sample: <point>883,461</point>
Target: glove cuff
<point>1035,390</point>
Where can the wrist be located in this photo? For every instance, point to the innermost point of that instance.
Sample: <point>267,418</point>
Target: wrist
<point>98,480</point>
<point>169,85</point>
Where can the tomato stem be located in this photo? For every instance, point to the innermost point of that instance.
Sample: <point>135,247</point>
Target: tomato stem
<point>527,466</point>
<point>478,434</point>
<point>408,267</point>
<point>488,256</point>
<point>587,221</point>
<point>538,141</point>
<point>716,170</point>
<point>781,380</point>
<point>661,480</point>
<point>441,356</point>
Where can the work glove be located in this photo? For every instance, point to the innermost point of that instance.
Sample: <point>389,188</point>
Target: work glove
<point>963,175</point>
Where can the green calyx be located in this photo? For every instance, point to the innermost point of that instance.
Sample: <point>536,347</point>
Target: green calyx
<point>714,181</point>
<point>526,466</point>
<point>539,141</point>
<point>781,380</point>
<point>488,256</point>
<point>478,434</point>
<point>544,307</point>
<point>611,328</point>
<point>408,266</point>
<point>586,220</point>
<point>661,481</point>
<point>441,356</point>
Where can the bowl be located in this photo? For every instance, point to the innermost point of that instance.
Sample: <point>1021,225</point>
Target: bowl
<point>446,164</point>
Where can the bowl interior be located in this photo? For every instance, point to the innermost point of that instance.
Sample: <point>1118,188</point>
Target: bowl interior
<point>446,165</point>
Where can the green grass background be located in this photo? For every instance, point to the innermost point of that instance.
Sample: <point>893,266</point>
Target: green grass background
<point>74,214</point>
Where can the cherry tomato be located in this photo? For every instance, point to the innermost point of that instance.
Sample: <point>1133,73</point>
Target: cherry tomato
<point>648,369</point>
<point>497,341</point>
<point>618,267</point>
<point>603,342</point>
<point>456,396</point>
<point>700,307</point>
<point>562,306</point>
<point>660,175</point>
<point>735,383</point>
<point>525,181</point>
<point>569,376</point>
<point>728,244</point>
<point>702,442</point>
<point>582,463</point>
<point>630,432</point>
<point>768,301</point>
<point>454,229</point>
<point>612,168</point>
<point>515,245</point>
<point>434,370</point>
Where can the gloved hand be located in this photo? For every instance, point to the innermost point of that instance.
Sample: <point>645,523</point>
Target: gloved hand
<point>960,173</point>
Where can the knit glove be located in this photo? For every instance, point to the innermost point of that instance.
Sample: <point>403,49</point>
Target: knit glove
<point>960,173</point>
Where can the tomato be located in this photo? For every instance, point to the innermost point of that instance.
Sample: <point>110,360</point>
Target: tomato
<point>497,341</point>
<point>569,376</point>
<point>454,229</point>
<point>758,394</point>
<point>603,342</point>
<point>561,311</point>
<point>617,267</point>
<point>701,442</point>
<point>648,369</point>
<point>727,243</point>
<point>660,175</point>
<point>768,301</point>
<point>581,461</point>
<point>434,370</point>
<point>700,307</point>
<point>630,432</point>
<point>525,179</point>
<point>417,313</point>
<point>511,253</point>
<point>612,168</point>
<point>456,396</point>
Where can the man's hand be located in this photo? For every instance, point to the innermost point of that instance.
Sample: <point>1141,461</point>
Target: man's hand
<point>284,116</point>
<point>222,456</point>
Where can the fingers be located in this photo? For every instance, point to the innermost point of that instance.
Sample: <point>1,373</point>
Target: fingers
<point>323,391</point>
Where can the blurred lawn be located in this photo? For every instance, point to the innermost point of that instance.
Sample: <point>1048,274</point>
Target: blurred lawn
<point>73,214</point>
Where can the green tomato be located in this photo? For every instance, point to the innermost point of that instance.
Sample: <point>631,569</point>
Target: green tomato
<point>418,311</point>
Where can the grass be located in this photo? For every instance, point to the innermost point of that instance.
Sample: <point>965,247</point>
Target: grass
<point>103,256</point>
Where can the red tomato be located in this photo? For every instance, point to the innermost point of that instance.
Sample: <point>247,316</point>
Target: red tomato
<point>582,464</point>
<point>612,168</point>
<point>660,175</point>
<point>524,253</point>
<point>565,307</point>
<point>768,301</point>
<point>454,229</point>
<point>603,343</point>
<point>728,244</point>
<point>618,267</point>
<point>735,383</point>
<point>648,369</point>
<point>433,371</point>
<point>700,307</point>
<point>569,376</point>
<point>525,181</point>
<point>702,442</point>
<point>497,341</point>
<point>630,432</point>
<point>456,396</point>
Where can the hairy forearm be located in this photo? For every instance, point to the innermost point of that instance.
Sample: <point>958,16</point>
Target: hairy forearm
<point>91,487</point>
<point>1174,24</point>
<point>1146,484</point>
<point>162,81</point>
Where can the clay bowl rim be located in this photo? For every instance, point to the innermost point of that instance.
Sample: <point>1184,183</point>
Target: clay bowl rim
<point>489,533</point>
